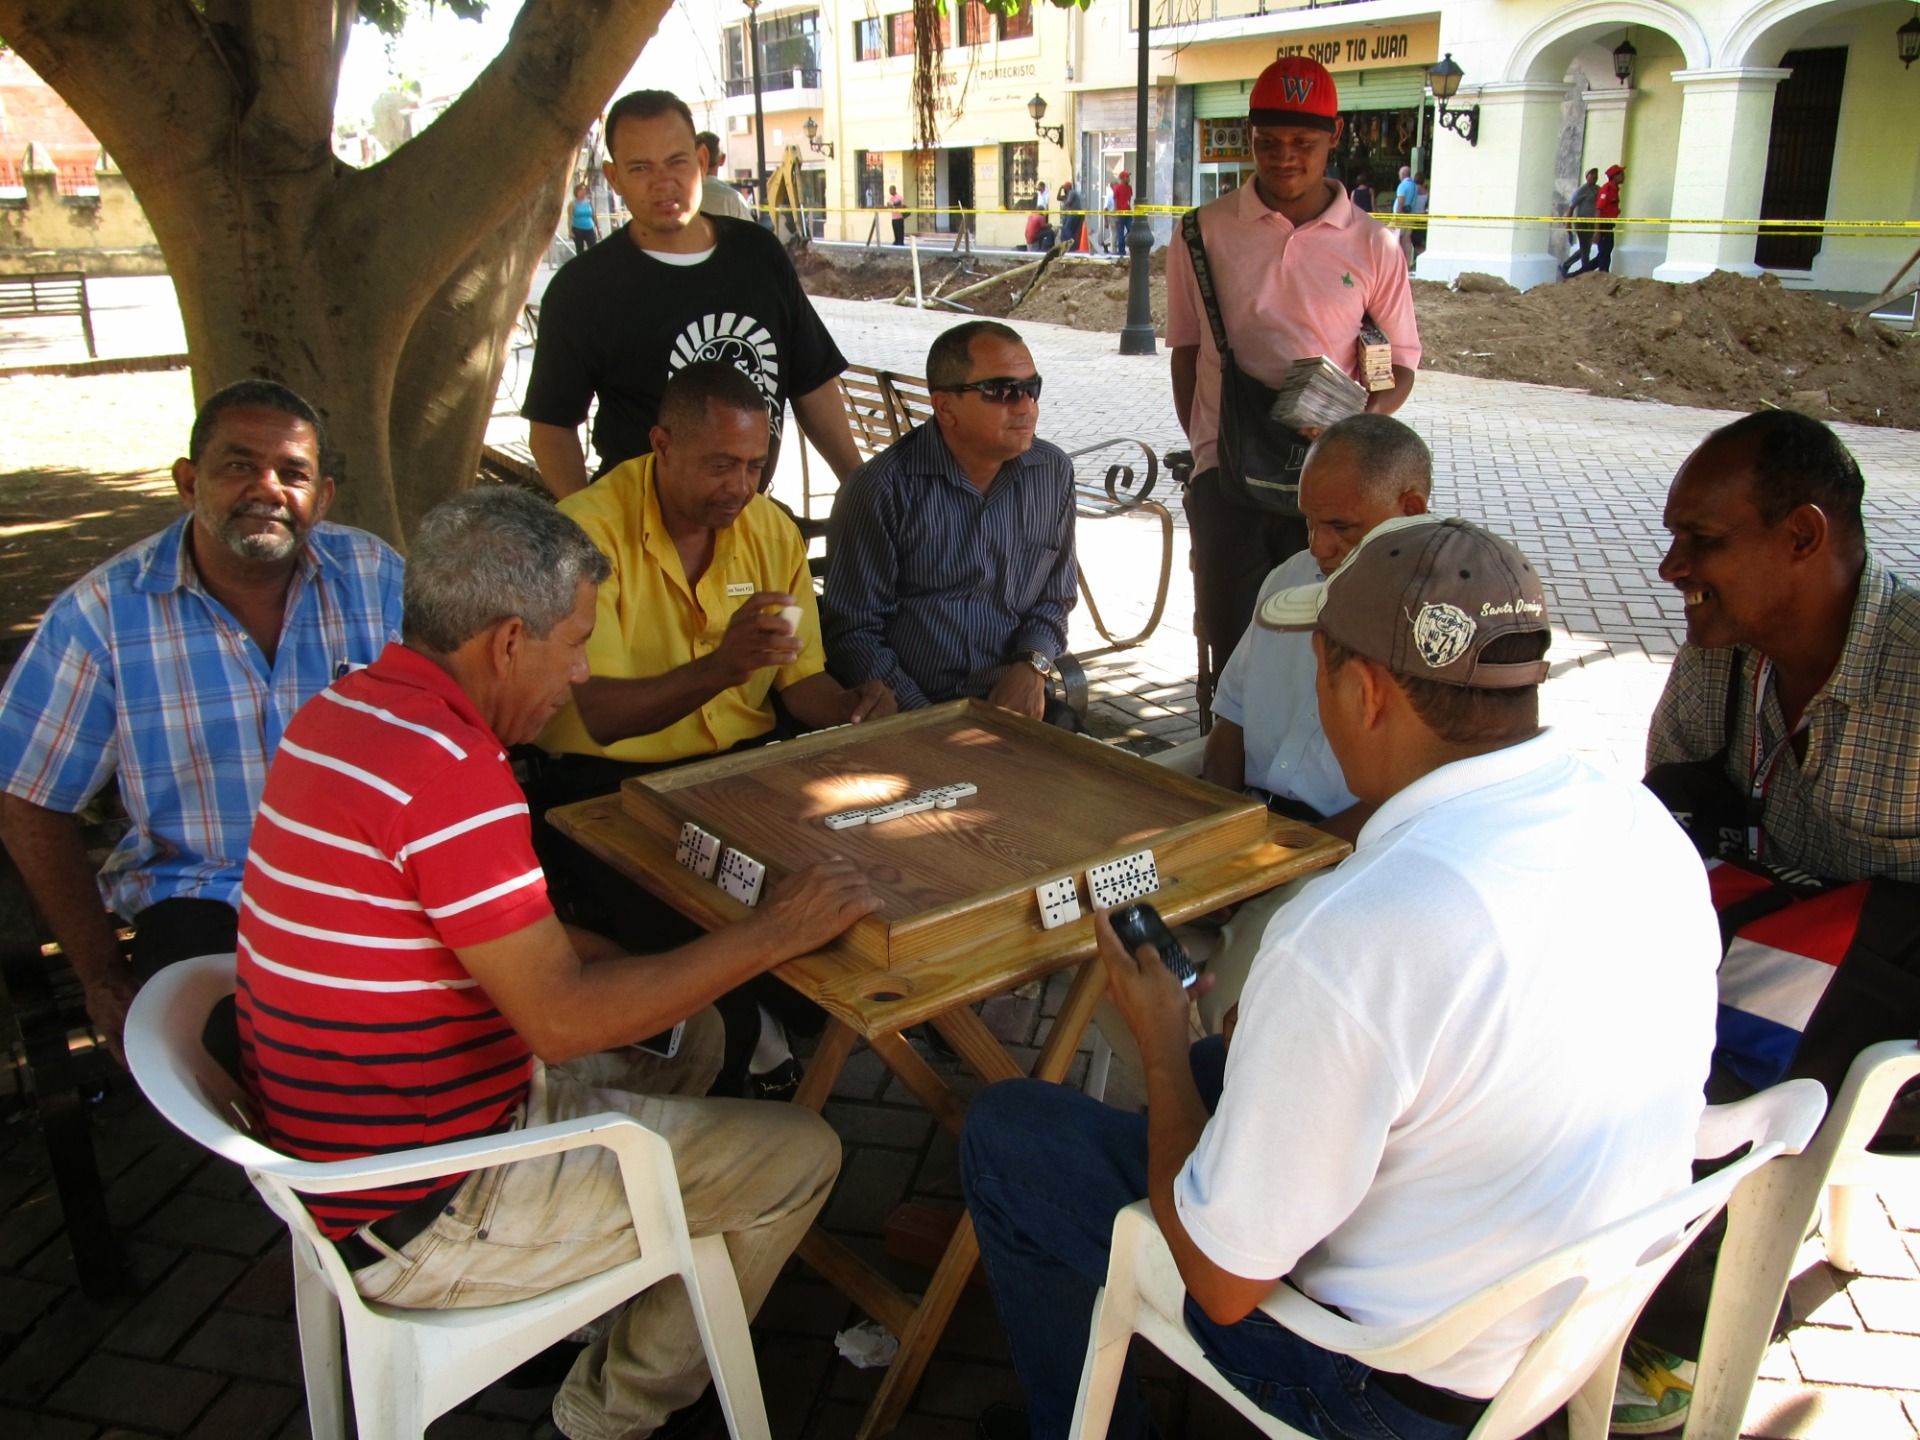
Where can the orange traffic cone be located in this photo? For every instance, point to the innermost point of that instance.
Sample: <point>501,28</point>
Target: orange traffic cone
<point>1083,248</point>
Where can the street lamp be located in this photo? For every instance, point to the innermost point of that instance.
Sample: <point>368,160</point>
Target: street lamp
<point>1037,108</point>
<point>1909,37</point>
<point>1136,336</point>
<point>820,147</point>
<point>1623,57</point>
<point>759,115</point>
<point>1444,79</point>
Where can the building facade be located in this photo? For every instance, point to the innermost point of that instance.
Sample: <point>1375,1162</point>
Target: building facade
<point>1734,110</point>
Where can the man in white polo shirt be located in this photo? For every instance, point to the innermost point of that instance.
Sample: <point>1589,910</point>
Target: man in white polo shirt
<point>1428,1085</point>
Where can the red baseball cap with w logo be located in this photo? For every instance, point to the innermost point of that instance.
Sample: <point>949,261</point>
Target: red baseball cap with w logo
<point>1294,91</point>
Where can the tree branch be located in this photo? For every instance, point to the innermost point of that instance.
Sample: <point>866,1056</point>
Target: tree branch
<point>524,113</point>
<point>294,53</point>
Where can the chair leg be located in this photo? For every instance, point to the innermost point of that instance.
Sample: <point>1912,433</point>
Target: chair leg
<point>1098,1065</point>
<point>1766,1219</point>
<point>1101,1373</point>
<point>713,1291</point>
<point>318,1313</point>
<point>1590,1409</point>
<point>1850,1209</point>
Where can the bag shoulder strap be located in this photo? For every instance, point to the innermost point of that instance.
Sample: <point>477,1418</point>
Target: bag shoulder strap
<point>1203,277</point>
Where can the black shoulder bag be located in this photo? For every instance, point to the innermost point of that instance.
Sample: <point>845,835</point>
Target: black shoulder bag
<point>1259,458</point>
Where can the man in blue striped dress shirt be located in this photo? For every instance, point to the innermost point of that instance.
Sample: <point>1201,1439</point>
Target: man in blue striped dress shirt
<point>951,554</point>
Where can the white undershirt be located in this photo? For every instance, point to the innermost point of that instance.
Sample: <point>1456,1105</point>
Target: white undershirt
<point>681,257</point>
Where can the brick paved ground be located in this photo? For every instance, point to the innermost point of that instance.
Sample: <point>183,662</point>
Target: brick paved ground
<point>204,1345</point>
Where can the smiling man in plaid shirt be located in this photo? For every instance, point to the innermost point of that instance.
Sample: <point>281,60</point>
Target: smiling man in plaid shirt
<point>175,667</point>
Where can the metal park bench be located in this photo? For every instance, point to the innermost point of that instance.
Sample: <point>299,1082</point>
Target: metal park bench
<point>56,293</point>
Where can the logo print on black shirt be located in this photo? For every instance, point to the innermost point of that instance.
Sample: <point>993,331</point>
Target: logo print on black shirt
<point>737,340</point>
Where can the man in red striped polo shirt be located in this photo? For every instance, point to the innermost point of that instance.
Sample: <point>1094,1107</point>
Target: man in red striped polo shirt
<point>403,976</point>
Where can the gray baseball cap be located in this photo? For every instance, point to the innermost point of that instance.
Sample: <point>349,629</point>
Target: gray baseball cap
<point>1425,596</point>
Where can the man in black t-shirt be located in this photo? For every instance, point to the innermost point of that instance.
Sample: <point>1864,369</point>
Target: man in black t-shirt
<point>673,288</point>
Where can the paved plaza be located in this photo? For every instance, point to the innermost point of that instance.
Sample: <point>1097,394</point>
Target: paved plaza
<point>203,1345</point>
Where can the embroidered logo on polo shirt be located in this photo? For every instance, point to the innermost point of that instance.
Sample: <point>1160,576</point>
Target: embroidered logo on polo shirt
<point>1346,279</point>
<point>1442,633</point>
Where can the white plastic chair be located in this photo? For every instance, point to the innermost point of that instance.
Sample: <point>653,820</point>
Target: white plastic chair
<point>1605,1279</point>
<point>409,1366</point>
<point>1768,1218</point>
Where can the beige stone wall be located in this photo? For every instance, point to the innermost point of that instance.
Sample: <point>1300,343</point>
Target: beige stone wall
<point>105,234</point>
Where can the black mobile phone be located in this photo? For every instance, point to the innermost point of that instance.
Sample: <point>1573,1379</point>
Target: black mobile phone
<point>1140,924</point>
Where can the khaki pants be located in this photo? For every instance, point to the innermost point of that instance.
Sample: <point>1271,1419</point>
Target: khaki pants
<point>753,1172</point>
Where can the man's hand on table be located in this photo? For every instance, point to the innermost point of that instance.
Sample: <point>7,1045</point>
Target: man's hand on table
<point>871,700</point>
<point>1150,999</point>
<point>814,906</point>
<point>757,638</point>
<point>1021,689</point>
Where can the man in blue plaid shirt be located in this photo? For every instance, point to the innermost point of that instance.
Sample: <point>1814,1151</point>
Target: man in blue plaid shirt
<point>175,667</point>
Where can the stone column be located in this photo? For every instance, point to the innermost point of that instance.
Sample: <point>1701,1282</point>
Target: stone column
<point>1606,142</point>
<point>1510,172</point>
<point>1720,167</point>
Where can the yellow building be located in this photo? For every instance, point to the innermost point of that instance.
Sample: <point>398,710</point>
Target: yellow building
<point>1729,110</point>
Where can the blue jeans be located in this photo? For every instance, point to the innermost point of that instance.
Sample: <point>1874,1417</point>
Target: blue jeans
<point>1045,1170</point>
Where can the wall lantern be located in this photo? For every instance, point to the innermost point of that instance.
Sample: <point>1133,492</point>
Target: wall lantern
<point>1037,108</point>
<point>1909,37</point>
<point>1444,79</point>
<point>820,147</point>
<point>1623,57</point>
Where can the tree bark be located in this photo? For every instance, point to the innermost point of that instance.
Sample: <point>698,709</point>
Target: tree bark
<point>382,295</point>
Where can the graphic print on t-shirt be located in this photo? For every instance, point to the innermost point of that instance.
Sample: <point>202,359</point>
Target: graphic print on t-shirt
<point>737,340</point>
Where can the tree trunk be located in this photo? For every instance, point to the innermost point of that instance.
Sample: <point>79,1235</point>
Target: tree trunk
<point>383,295</point>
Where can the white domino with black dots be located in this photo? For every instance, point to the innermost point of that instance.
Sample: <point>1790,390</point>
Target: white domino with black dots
<point>940,797</point>
<point>698,851</point>
<point>1118,881</point>
<point>741,876</point>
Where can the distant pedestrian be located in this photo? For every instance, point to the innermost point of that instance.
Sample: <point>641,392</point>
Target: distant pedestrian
<point>717,197</point>
<point>1122,211</point>
<point>1404,194</point>
<point>1581,207</point>
<point>1606,206</point>
<point>582,211</point>
<point>1040,197</point>
<point>1420,200</point>
<point>1362,195</point>
<point>898,206</point>
<point>1071,224</point>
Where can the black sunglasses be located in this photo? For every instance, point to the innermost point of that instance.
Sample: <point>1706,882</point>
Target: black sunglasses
<point>1001,389</point>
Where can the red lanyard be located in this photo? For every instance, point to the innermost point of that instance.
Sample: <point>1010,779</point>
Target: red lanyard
<point>1760,767</point>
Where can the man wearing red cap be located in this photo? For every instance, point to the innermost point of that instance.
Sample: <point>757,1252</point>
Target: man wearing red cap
<point>1607,207</point>
<point>1297,271</point>
<point>1121,204</point>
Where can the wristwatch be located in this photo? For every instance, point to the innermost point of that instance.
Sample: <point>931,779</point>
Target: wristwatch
<point>1037,661</point>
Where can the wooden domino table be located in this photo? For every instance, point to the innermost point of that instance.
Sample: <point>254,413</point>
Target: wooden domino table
<point>958,920</point>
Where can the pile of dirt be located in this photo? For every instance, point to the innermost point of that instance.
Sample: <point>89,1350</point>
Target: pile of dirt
<point>1728,342</point>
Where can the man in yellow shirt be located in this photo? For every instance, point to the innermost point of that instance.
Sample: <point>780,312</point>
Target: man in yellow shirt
<point>696,629</point>
<point>707,615</point>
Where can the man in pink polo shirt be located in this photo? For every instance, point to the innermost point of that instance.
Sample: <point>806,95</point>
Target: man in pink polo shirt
<point>1298,270</point>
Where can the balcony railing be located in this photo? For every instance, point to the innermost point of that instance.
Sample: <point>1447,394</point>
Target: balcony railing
<point>776,80</point>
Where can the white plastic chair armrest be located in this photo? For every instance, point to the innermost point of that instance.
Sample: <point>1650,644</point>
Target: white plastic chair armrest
<point>1876,1074</point>
<point>1185,758</point>
<point>1790,1114</point>
<point>631,1141</point>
